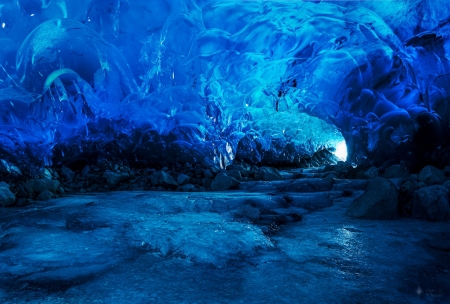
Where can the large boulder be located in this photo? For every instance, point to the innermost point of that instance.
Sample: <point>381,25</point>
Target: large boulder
<point>431,175</point>
<point>268,174</point>
<point>379,201</point>
<point>39,185</point>
<point>223,182</point>
<point>163,179</point>
<point>6,196</point>
<point>431,203</point>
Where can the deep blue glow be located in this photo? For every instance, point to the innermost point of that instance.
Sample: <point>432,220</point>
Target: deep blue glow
<point>200,80</point>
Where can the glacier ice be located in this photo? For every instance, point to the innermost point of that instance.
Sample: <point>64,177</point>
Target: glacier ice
<point>214,81</point>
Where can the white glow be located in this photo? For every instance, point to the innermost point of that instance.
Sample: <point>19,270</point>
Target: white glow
<point>3,25</point>
<point>341,151</point>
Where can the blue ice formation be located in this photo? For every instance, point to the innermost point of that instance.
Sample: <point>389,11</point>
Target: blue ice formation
<point>214,81</point>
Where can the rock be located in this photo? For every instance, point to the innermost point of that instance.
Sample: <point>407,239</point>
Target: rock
<point>406,195</point>
<point>45,173</point>
<point>67,173</point>
<point>4,166</point>
<point>414,177</point>
<point>234,173</point>
<point>113,178</point>
<point>45,195</point>
<point>206,182</point>
<point>235,167</point>
<point>371,173</point>
<point>421,185</point>
<point>161,178</point>
<point>8,168</point>
<point>395,171</point>
<point>85,171</point>
<point>6,196</point>
<point>208,174</point>
<point>268,174</point>
<point>431,175</point>
<point>187,188</point>
<point>248,212</point>
<point>447,171</point>
<point>223,182</point>
<point>379,201</point>
<point>39,185</point>
<point>183,179</point>
<point>330,175</point>
<point>431,203</point>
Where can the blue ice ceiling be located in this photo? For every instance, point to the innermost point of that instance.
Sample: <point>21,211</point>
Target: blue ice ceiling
<point>211,81</point>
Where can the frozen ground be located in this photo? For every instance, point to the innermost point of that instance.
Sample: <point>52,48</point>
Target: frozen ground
<point>161,247</point>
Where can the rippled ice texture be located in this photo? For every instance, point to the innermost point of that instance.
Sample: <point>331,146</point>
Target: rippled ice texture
<point>209,81</point>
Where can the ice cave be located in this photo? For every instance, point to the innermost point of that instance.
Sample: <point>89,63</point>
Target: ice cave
<point>218,151</point>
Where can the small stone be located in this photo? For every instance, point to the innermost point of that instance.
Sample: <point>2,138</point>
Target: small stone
<point>183,179</point>
<point>431,203</point>
<point>431,175</point>
<point>268,174</point>
<point>6,196</point>
<point>45,195</point>
<point>39,185</point>
<point>223,182</point>
<point>67,173</point>
<point>371,173</point>
<point>113,178</point>
<point>379,201</point>
<point>395,171</point>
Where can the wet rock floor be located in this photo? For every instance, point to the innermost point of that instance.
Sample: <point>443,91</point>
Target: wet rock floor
<point>174,247</point>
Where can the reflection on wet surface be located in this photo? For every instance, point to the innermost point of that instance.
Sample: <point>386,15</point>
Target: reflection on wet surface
<point>142,247</point>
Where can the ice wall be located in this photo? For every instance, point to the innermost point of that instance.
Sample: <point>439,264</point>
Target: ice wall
<point>211,81</point>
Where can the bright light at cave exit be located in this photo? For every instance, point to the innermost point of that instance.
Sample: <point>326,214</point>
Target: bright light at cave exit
<point>341,151</point>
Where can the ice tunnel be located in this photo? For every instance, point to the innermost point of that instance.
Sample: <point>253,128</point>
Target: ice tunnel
<point>203,81</point>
